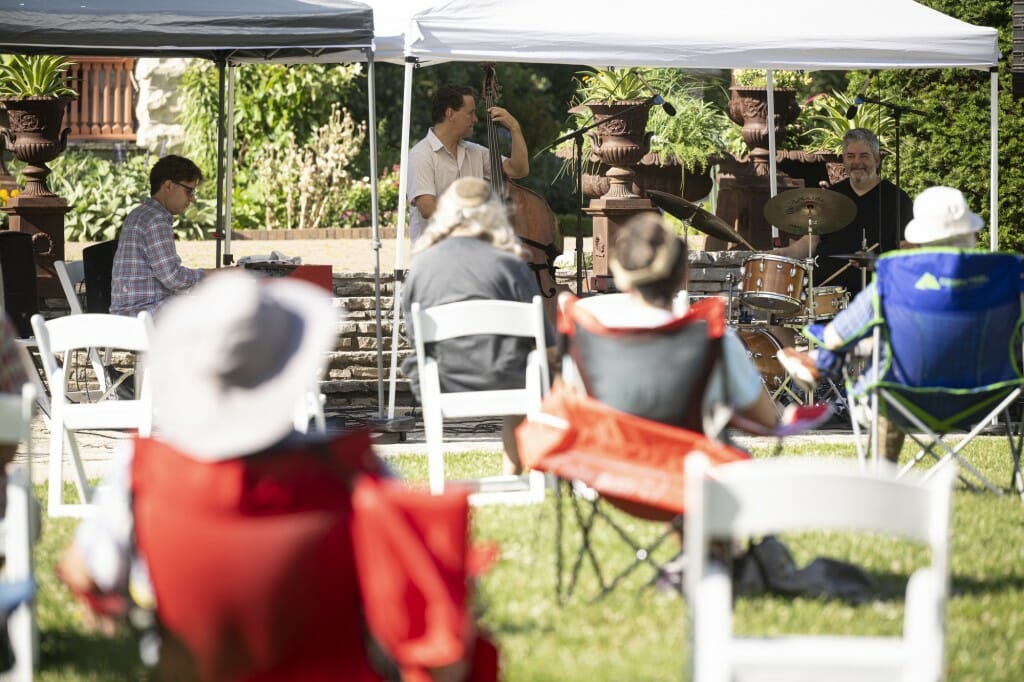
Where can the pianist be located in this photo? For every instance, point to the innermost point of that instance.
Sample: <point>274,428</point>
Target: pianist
<point>147,268</point>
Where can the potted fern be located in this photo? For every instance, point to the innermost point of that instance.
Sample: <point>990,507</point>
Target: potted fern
<point>34,92</point>
<point>675,151</point>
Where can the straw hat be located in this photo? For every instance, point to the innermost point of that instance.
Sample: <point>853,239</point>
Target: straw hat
<point>941,214</point>
<point>231,360</point>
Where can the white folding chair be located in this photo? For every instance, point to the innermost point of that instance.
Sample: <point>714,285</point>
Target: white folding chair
<point>467,318</point>
<point>71,275</point>
<point>17,529</point>
<point>310,408</point>
<point>757,497</point>
<point>90,330</point>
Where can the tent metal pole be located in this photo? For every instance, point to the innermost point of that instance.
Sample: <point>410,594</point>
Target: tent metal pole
<point>219,222</point>
<point>993,199</point>
<point>229,169</point>
<point>371,95</point>
<point>403,181</point>
<point>773,180</point>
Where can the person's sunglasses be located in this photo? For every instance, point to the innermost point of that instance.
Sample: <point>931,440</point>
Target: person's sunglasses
<point>190,191</point>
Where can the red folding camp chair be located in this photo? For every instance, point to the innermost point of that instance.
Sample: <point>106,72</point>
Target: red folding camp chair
<point>611,458</point>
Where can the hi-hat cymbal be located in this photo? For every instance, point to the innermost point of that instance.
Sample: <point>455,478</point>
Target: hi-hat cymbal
<point>803,210</point>
<point>706,222</point>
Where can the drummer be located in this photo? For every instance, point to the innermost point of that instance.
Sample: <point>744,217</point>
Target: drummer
<point>883,211</point>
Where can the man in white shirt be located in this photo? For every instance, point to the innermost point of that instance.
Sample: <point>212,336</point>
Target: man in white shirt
<point>445,154</point>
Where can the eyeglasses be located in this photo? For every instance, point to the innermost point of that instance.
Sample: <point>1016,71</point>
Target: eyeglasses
<point>190,191</point>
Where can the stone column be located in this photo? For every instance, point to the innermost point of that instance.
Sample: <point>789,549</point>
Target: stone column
<point>609,215</point>
<point>43,218</point>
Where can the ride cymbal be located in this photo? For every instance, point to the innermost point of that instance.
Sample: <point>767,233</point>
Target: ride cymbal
<point>706,222</point>
<point>805,210</point>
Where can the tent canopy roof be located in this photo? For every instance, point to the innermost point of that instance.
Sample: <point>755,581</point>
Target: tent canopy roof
<point>253,30</point>
<point>723,34</point>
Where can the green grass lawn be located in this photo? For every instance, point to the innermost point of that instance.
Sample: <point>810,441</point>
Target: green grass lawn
<point>638,632</point>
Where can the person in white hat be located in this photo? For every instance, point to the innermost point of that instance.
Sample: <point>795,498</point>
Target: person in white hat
<point>241,533</point>
<point>941,218</point>
<point>470,251</point>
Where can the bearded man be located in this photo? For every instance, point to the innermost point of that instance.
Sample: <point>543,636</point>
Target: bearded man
<point>883,211</point>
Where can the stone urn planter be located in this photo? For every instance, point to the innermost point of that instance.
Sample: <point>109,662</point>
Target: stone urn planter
<point>649,174</point>
<point>34,136</point>
<point>748,107</point>
<point>620,143</point>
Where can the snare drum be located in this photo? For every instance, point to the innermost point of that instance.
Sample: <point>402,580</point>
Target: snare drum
<point>828,301</point>
<point>774,283</point>
<point>762,344</point>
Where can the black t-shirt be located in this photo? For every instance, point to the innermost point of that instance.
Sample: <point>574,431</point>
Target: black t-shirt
<point>882,216</point>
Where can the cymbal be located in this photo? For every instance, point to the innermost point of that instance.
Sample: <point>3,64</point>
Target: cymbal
<point>860,257</point>
<point>798,211</point>
<point>706,222</point>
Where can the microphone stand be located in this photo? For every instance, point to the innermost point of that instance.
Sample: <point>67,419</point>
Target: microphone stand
<point>897,114</point>
<point>577,137</point>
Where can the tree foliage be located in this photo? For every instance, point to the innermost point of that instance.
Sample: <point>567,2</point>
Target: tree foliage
<point>950,145</point>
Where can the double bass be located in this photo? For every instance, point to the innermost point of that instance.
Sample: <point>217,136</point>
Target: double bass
<point>532,219</point>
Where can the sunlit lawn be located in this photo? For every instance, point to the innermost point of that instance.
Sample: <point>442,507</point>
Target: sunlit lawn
<point>638,632</point>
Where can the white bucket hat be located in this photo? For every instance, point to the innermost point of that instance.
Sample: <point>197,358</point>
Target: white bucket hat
<point>231,360</point>
<point>941,213</point>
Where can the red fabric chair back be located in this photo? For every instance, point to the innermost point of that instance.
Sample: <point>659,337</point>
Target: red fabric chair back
<point>637,464</point>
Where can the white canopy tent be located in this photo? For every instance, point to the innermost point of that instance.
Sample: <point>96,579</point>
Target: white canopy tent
<point>725,34</point>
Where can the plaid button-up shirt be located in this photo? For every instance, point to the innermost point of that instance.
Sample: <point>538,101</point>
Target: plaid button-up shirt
<point>147,268</point>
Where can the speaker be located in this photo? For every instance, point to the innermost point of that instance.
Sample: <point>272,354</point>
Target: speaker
<point>18,265</point>
<point>98,267</point>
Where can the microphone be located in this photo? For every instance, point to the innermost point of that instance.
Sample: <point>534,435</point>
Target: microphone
<point>860,99</point>
<point>656,98</point>
<point>851,111</point>
<point>669,109</point>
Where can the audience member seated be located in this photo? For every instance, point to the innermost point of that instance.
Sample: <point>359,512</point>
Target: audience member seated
<point>649,263</point>
<point>470,251</point>
<point>246,536</point>
<point>941,218</point>
<point>147,268</point>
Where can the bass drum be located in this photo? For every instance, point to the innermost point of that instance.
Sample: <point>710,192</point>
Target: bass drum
<point>762,344</point>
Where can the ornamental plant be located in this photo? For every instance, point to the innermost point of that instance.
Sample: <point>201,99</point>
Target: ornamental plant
<point>38,75</point>
<point>781,78</point>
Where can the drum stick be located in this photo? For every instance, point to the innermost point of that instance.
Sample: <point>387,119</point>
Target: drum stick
<point>844,268</point>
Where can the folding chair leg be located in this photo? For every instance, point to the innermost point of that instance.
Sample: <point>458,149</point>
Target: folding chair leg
<point>1016,478</point>
<point>55,496</point>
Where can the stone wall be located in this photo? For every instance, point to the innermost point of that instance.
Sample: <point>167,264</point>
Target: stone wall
<point>160,104</point>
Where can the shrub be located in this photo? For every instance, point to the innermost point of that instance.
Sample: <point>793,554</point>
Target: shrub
<point>101,194</point>
<point>356,201</point>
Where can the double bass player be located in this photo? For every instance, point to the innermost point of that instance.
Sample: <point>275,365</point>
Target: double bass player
<point>446,153</point>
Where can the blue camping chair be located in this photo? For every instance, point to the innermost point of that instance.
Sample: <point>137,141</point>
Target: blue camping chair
<point>947,351</point>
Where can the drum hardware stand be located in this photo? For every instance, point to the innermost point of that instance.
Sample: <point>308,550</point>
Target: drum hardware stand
<point>810,271</point>
<point>730,285</point>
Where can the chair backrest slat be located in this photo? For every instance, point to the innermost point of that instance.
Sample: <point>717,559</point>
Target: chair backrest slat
<point>505,318</point>
<point>95,330</point>
<point>71,274</point>
<point>800,494</point>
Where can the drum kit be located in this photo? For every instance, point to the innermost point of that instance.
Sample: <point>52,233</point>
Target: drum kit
<point>782,289</point>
